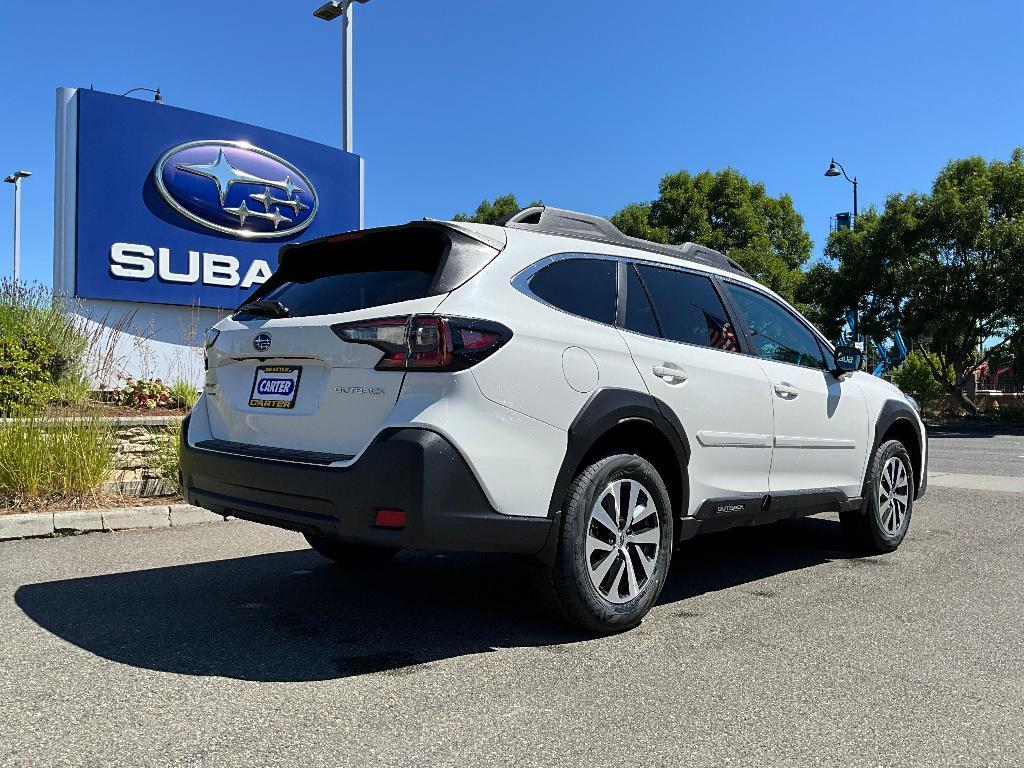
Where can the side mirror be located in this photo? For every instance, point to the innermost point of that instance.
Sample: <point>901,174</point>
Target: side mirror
<point>848,359</point>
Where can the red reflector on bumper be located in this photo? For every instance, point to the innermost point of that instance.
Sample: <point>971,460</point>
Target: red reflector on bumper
<point>389,518</point>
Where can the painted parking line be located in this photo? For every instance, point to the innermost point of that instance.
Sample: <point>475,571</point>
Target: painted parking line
<point>976,482</point>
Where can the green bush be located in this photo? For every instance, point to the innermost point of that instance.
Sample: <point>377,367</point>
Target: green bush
<point>40,346</point>
<point>914,376</point>
<point>44,457</point>
<point>167,457</point>
<point>183,395</point>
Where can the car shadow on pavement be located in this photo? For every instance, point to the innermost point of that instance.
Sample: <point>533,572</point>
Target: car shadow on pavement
<point>293,616</point>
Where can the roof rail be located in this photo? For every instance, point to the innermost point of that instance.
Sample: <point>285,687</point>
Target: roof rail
<point>556,221</point>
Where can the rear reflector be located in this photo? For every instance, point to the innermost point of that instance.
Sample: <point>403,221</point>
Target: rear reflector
<point>389,518</point>
<point>427,342</point>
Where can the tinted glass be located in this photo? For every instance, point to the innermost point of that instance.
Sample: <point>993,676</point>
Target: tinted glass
<point>639,313</point>
<point>584,287</point>
<point>775,333</point>
<point>688,308</point>
<point>352,290</point>
<point>357,272</point>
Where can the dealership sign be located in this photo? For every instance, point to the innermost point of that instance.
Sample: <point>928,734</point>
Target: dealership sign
<point>162,205</point>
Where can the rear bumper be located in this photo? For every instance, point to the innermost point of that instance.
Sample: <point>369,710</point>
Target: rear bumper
<point>416,470</point>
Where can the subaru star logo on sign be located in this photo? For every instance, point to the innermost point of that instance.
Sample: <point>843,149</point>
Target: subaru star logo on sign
<point>236,188</point>
<point>166,206</point>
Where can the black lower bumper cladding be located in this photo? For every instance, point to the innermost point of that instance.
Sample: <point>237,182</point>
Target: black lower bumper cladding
<point>415,470</point>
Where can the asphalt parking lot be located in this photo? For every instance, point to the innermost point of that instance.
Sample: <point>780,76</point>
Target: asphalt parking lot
<point>234,645</point>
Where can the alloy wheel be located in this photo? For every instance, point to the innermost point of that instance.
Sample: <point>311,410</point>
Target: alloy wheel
<point>893,496</point>
<point>623,540</point>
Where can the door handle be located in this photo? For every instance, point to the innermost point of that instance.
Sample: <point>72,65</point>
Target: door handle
<point>786,391</point>
<point>669,374</point>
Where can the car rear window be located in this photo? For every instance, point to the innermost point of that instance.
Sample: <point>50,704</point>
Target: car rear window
<point>348,273</point>
<point>584,287</point>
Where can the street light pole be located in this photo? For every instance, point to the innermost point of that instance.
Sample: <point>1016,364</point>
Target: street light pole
<point>835,169</point>
<point>15,179</point>
<point>346,78</point>
<point>329,11</point>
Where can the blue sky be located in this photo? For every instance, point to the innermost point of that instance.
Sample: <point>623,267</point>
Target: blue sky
<point>582,104</point>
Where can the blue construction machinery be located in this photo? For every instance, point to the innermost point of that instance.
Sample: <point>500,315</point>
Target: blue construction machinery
<point>891,356</point>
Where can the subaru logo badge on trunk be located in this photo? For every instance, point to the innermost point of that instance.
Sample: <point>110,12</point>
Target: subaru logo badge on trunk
<point>262,342</point>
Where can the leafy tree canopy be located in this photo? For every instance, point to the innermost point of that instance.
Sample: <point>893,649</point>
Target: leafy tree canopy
<point>727,212</point>
<point>945,268</point>
<point>492,213</point>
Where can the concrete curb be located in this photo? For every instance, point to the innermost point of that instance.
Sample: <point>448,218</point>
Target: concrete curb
<point>43,524</point>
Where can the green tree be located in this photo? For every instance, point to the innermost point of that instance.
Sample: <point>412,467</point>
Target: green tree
<point>914,375</point>
<point>492,213</point>
<point>943,268</point>
<point>727,212</point>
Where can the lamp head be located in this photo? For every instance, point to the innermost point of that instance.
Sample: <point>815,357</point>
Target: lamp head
<point>17,175</point>
<point>329,10</point>
<point>332,9</point>
<point>833,170</point>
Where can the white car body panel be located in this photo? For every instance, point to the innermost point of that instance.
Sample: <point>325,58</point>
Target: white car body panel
<point>725,407</point>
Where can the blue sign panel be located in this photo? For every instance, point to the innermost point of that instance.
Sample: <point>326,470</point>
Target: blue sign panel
<point>178,207</point>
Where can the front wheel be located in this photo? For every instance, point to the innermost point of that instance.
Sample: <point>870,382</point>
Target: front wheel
<point>615,545</point>
<point>884,524</point>
<point>349,555</point>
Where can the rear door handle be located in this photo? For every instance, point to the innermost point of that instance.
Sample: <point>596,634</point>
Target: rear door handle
<point>669,374</point>
<point>786,391</point>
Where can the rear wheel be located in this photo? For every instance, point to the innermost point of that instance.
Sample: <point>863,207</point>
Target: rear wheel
<point>350,555</point>
<point>615,545</point>
<point>884,524</point>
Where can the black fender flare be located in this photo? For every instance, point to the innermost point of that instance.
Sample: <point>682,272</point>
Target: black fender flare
<point>605,409</point>
<point>892,412</point>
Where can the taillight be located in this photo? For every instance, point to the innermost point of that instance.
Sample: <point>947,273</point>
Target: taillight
<point>427,342</point>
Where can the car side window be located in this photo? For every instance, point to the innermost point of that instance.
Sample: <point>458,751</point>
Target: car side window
<point>774,333</point>
<point>688,308</point>
<point>639,312</point>
<point>584,287</point>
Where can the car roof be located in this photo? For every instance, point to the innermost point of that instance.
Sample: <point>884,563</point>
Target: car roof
<point>546,220</point>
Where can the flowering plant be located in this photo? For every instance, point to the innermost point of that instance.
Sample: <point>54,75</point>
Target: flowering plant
<point>144,393</point>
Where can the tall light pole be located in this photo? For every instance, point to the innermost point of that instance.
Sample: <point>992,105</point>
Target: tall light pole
<point>328,12</point>
<point>15,179</point>
<point>835,169</point>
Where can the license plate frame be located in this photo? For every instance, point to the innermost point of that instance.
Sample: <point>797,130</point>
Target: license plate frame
<point>284,400</point>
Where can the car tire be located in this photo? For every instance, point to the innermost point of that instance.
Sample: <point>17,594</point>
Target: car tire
<point>882,524</point>
<point>609,568</point>
<point>348,555</point>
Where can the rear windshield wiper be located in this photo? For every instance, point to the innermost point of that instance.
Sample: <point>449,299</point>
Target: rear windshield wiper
<point>263,308</point>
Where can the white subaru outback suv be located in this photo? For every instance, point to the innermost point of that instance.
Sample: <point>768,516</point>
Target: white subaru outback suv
<point>549,387</point>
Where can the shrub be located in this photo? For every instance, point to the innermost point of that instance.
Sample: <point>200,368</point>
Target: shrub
<point>914,376</point>
<point>144,393</point>
<point>167,457</point>
<point>40,346</point>
<point>183,394</point>
<point>43,457</point>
